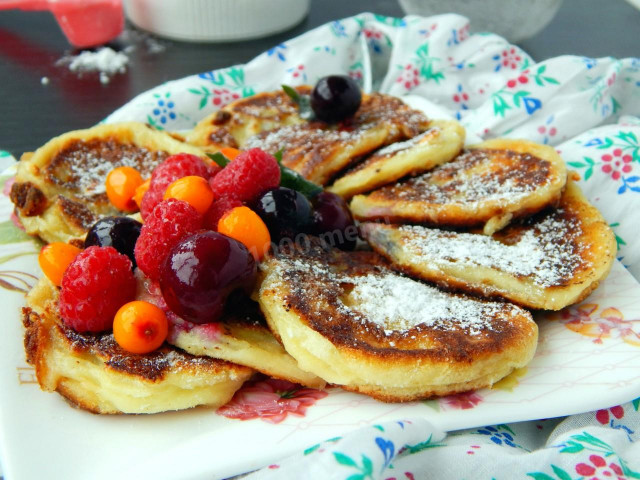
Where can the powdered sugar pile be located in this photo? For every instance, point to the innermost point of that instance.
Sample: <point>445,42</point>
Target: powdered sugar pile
<point>106,61</point>
<point>545,253</point>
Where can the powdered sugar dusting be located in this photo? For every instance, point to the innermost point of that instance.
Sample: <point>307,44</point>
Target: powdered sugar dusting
<point>547,251</point>
<point>477,176</point>
<point>401,146</point>
<point>303,136</point>
<point>391,301</point>
<point>83,166</point>
<point>398,303</point>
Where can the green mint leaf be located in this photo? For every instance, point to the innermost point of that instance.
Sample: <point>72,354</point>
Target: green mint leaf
<point>219,158</point>
<point>293,94</point>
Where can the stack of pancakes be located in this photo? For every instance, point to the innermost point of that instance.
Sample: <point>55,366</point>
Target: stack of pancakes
<point>464,241</point>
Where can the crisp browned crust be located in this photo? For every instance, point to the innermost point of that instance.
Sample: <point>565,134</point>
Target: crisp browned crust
<point>580,243</point>
<point>490,183</point>
<point>94,373</point>
<point>28,199</point>
<point>306,299</point>
<point>314,149</point>
<point>59,189</point>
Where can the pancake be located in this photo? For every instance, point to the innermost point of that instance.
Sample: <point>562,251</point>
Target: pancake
<point>95,374</point>
<point>241,336</point>
<point>59,189</point>
<point>354,322</point>
<point>315,149</point>
<point>488,185</point>
<point>236,122</point>
<point>440,143</point>
<point>549,261</point>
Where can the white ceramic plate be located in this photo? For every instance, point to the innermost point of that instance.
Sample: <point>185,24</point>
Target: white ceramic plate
<point>588,358</point>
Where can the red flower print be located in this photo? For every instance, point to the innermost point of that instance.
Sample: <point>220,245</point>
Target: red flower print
<point>270,400</point>
<point>522,79</point>
<point>372,33</point>
<point>599,466</point>
<point>222,96</point>
<point>299,70</point>
<point>603,415</point>
<point>409,77</point>
<point>461,401</point>
<point>615,163</point>
<point>510,58</point>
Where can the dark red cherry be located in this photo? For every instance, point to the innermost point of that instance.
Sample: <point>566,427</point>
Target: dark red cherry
<point>333,222</point>
<point>202,271</point>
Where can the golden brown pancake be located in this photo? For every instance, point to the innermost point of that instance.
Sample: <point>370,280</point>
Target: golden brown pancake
<point>352,321</point>
<point>548,261</point>
<point>241,336</point>
<point>440,143</point>
<point>314,149</point>
<point>95,374</point>
<point>488,184</point>
<point>59,190</point>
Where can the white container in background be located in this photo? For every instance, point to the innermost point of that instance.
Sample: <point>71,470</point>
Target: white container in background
<point>215,20</point>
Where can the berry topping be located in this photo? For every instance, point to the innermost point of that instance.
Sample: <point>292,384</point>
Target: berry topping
<point>170,221</point>
<point>247,227</point>
<point>193,190</point>
<point>55,258</point>
<point>247,176</point>
<point>140,191</point>
<point>218,208</point>
<point>335,98</point>
<point>140,327</point>
<point>173,168</point>
<point>286,212</point>
<point>121,185</point>
<point>120,233</point>
<point>230,153</point>
<point>94,286</point>
<point>332,220</point>
<point>202,271</point>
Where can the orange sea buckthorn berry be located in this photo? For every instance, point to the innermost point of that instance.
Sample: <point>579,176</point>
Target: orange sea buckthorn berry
<point>244,225</point>
<point>140,191</point>
<point>140,327</point>
<point>55,258</point>
<point>230,153</point>
<point>194,190</point>
<point>121,185</point>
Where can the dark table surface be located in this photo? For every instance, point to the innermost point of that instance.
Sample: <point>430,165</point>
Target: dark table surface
<point>31,43</point>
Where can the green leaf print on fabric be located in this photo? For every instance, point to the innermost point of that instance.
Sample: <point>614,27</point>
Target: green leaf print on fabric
<point>587,164</point>
<point>560,474</point>
<point>366,469</point>
<point>426,64</point>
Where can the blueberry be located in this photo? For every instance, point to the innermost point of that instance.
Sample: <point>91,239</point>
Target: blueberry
<point>120,233</point>
<point>335,98</point>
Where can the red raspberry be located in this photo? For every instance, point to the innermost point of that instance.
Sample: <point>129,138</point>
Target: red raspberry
<point>218,208</point>
<point>173,168</point>
<point>94,286</point>
<point>170,222</point>
<point>247,176</point>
